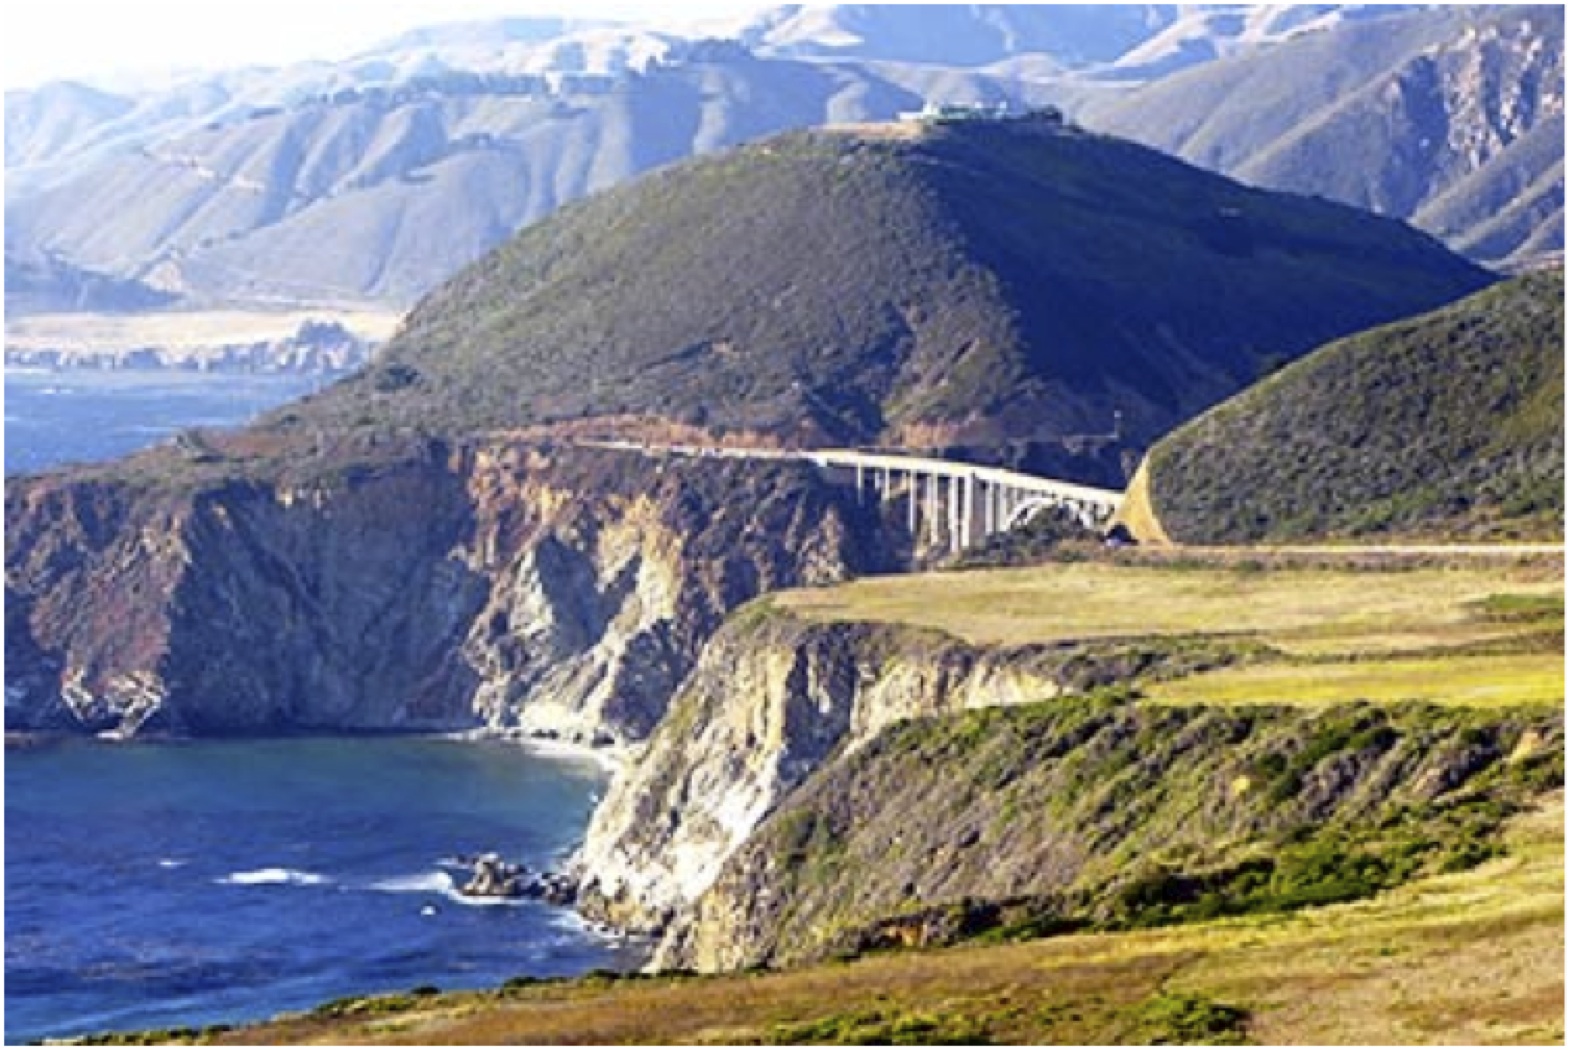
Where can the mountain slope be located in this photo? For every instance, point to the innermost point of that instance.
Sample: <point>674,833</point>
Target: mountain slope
<point>1451,118</point>
<point>380,194</point>
<point>1450,424</point>
<point>377,176</point>
<point>1129,42</point>
<point>974,283</point>
<point>46,285</point>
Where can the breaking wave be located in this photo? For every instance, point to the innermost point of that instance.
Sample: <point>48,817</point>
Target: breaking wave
<point>273,877</point>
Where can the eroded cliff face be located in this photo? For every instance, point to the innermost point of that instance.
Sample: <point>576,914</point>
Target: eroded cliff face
<point>610,570</point>
<point>772,700</point>
<point>819,789</point>
<point>550,591</point>
<point>1087,813</point>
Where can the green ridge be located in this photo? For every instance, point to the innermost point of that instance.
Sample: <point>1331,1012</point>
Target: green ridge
<point>996,282</point>
<point>1446,425</point>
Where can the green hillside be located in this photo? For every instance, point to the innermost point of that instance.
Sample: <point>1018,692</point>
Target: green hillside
<point>1448,425</point>
<point>962,284</point>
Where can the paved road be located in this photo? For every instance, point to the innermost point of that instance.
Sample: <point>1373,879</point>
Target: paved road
<point>1467,550</point>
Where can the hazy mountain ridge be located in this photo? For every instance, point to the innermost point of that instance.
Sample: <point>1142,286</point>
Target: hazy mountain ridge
<point>379,196</point>
<point>1450,119</point>
<point>375,177</point>
<point>1132,42</point>
<point>47,285</point>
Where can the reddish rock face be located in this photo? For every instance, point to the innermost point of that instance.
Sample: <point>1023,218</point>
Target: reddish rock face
<point>564,592</point>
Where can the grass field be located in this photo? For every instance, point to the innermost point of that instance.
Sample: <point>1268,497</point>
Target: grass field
<point>1469,958</point>
<point>1468,681</point>
<point>1321,611</point>
<point>1483,635</point>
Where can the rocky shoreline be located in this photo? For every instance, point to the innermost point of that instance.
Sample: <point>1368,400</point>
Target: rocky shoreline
<point>561,593</point>
<point>324,348</point>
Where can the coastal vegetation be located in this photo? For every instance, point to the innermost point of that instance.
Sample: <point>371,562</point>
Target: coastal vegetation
<point>973,283</point>
<point>1446,425</point>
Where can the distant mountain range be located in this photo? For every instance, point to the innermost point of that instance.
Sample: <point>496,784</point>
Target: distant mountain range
<point>1451,119</point>
<point>373,178</point>
<point>50,285</point>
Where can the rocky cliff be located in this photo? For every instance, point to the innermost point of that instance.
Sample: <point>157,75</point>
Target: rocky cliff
<point>822,789</point>
<point>547,590</point>
<point>773,700</point>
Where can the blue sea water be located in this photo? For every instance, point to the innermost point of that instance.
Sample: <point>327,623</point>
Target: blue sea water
<point>158,884</point>
<point>164,884</point>
<point>86,416</point>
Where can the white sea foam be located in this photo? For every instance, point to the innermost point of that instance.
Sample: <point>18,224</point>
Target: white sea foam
<point>170,862</point>
<point>607,759</point>
<point>482,902</point>
<point>274,877</point>
<point>424,882</point>
<point>440,884</point>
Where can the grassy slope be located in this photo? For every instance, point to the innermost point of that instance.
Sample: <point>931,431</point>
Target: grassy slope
<point>1445,425</point>
<point>1100,813</point>
<point>1472,957</point>
<point>1030,281</point>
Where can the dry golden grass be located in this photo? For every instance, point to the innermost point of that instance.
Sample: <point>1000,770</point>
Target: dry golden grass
<point>1475,957</point>
<point>1137,512</point>
<point>1317,609</point>
<point>1461,680</point>
<point>1459,959</point>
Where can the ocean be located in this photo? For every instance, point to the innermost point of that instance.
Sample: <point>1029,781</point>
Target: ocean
<point>87,416</point>
<point>161,884</point>
<point>170,884</point>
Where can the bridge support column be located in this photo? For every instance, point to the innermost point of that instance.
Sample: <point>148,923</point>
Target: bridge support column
<point>953,514</point>
<point>933,521</point>
<point>961,492</point>
<point>967,514</point>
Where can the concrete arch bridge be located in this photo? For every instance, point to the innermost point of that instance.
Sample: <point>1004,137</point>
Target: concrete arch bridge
<point>947,502</point>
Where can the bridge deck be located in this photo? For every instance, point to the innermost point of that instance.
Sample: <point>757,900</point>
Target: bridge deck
<point>952,468</point>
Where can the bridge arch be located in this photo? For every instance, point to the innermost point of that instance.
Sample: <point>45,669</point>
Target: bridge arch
<point>1024,511</point>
